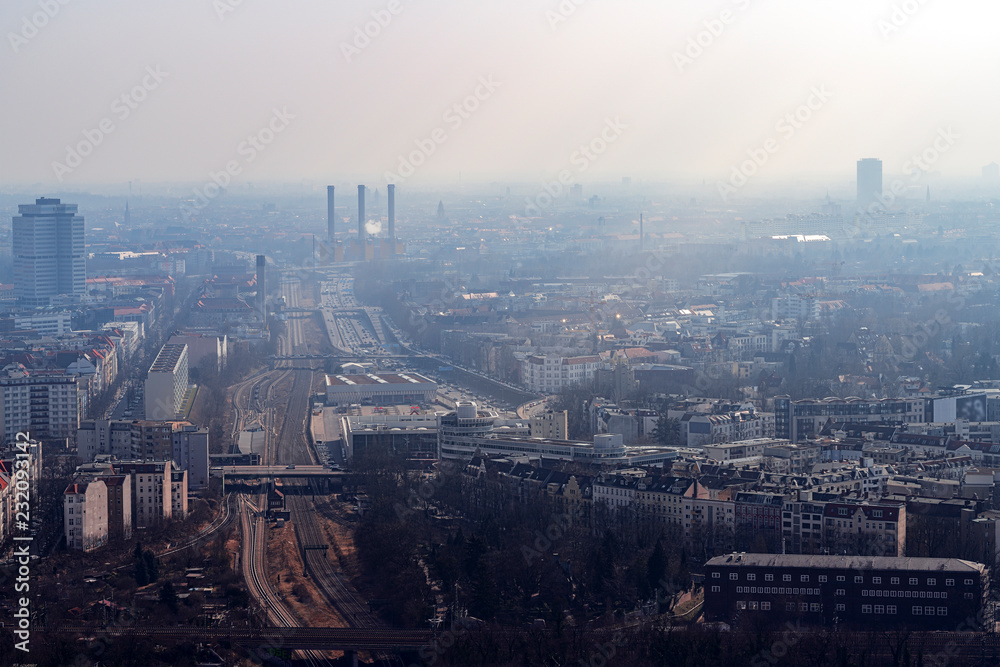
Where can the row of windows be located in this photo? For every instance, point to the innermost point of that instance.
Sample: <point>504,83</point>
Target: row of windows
<point>754,605</point>
<point>905,594</point>
<point>858,579</point>
<point>774,590</point>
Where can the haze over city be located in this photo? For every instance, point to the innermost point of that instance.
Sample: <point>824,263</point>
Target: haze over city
<point>561,69</point>
<point>499,332</point>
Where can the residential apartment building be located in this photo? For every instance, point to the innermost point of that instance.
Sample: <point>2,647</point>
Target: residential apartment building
<point>167,382</point>
<point>85,515</point>
<point>44,405</point>
<point>818,526</point>
<point>549,424</point>
<point>182,442</point>
<point>552,374</point>
<point>795,420</point>
<point>152,491</point>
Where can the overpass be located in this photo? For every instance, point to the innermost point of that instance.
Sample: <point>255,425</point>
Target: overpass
<point>287,472</point>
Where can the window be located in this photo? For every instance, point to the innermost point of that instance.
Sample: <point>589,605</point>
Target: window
<point>841,577</point>
<point>822,578</point>
<point>949,582</point>
<point>768,577</point>
<point>879,609</point>
<point>765,606</point>
<point>918,610</point>
<point>804,577</point>
<point>789,606</point>
<point>803,606</point>
<point>876,580</point>
<point>753,605</point>
<point>968,582</point>
<point>716,575</point>
<point>913,581</point>
<point>786,577</point>
<point>866,609</point>
<point>841,607</point>
<point>928,611</point>
<point>742,604</point>
<point>751,577</point>
<point>890,609</point>
<point>715,589</point>
<point>814,607</point>
<point>733,576</point>
<point>858,580</point>
<point>931,581</point>
<point>942,611</point>
<point>894,581</point>
<point>968,596</point>
<point>877,514</point>
<point>841,591</point>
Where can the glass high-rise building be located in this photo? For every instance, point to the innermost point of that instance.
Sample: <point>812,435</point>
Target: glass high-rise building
<point>48,252</point>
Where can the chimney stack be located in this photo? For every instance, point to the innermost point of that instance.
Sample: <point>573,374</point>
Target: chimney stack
<point>330,225</point>
<point>262,287</point>
<point>392,212</point>
<point>361,214</point>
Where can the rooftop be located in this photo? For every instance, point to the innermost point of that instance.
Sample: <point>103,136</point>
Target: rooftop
<point>846,562</point>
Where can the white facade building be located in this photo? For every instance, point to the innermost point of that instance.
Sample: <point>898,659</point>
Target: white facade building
<point>85,515</point>
<point>552,374</point>
<point>167,383</point>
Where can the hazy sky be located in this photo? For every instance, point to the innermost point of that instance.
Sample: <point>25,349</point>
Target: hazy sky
<point>609,66</point>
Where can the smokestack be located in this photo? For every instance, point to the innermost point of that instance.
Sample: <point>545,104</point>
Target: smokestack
<point>262,286</point>
<point>361,214</point>
<point>392,212</point>
<point>330,225</point>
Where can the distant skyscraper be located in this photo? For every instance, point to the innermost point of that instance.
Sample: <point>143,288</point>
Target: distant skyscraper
<point>869,182</point>
<point>991,172</point>
<point>392,212</point>
<point>361,214</point>
<point>330,225</point>
<point>48,252</point>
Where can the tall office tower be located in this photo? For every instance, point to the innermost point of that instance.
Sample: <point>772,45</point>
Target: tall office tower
<point>262,286</point>
<point>361,214</point>
<point>869,182</point>
<point>392,212</point>
<point>330,226</point>
<point>48,252</point>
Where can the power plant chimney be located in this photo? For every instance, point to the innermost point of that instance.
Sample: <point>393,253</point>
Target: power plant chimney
<point>361,214</point>
<point>262,287</point>
<point>392,212</point>
<point>330,226</point>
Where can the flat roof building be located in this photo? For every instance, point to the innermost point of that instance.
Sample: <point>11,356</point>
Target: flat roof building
<point>861,591</point>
